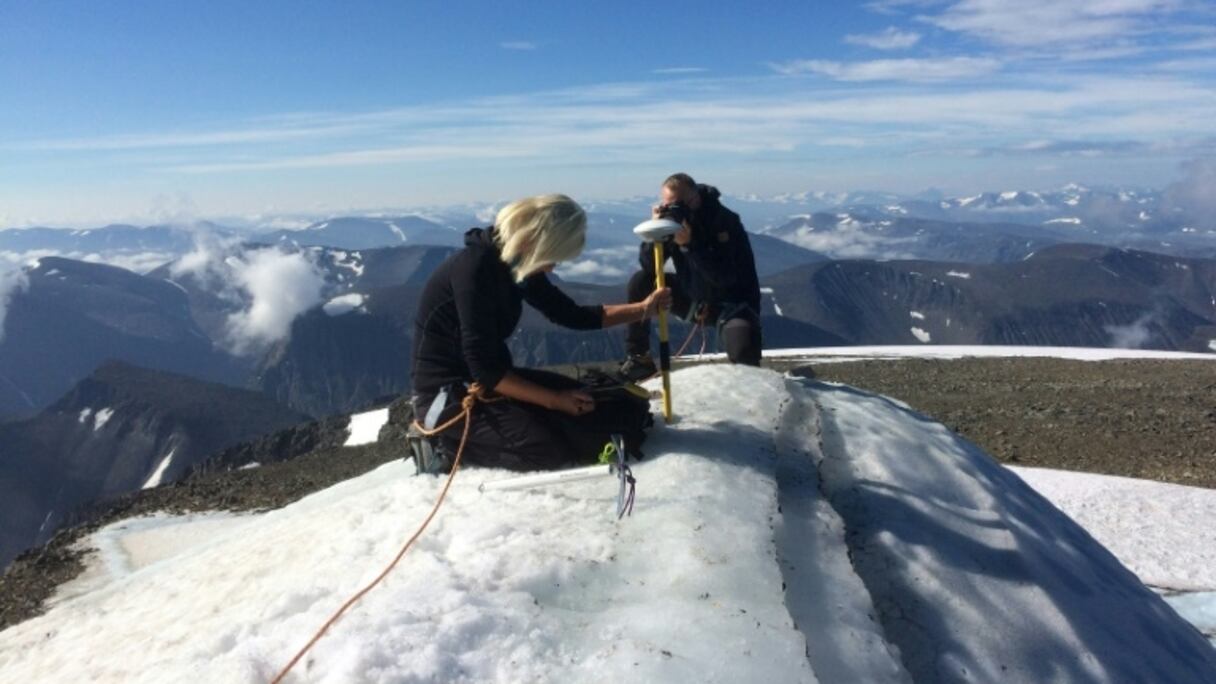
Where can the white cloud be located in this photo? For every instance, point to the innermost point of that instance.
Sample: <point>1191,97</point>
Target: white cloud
<point>1134,335</point>
<point>517,45</point>
<point>12,280</point>
<point>206,261</point>
<point>266,288</point>
<point>1195,193</point>
<point>136,262</point>
<point>278,286</point>
<point>1040,23</point>
<point>591,269</point>
<point>849,240</point>
<point>913,70</point>
<point>889,39</point>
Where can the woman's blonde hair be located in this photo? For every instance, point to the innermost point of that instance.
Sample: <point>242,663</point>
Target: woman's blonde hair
<point>536,231</point>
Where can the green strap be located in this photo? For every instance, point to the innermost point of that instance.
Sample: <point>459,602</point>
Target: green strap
<point>608,454</point>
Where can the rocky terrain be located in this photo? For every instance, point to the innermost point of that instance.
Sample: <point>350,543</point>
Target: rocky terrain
<point>1146,419</point>
<point>1136,418</point>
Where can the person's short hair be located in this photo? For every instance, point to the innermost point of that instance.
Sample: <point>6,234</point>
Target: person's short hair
<point>536,231</point>
<point>680,181</point>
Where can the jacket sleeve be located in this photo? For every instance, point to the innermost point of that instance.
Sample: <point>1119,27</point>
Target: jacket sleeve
<point>557,306</point>
<point>479,341</point>
<point>745,270</point>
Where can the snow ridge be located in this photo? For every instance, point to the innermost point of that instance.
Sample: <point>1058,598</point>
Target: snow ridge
<point>975,575</point>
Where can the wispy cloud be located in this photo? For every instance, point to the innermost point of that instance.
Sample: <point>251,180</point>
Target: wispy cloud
<point>889,39</point>
<point>912,70</point>
<point>679,70</point>
<point>1040,23</point>
<point>944,108</point>
<point>517,45</point>
<point>266,288</point>
<point>1195,193</point>
<point>12,280</point>
<point>283,132</point>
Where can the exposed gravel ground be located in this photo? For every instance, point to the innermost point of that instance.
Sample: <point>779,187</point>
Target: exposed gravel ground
<point>1146,419</point>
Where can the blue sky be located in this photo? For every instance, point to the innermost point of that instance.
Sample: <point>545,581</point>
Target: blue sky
<point>145,110</point>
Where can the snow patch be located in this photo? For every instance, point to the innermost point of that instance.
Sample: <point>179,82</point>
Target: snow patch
<point>1151,527</point>
<point>917,315</point>
<point>101,418</point>
<point>776,307</point>
<point>958,274</point>
<point>365,427</point>
<point>355,264</point>
<point>344,304</point>
<point>397,231</point>
<point>155,478</point>
<point>84,415</point>
<point>921,335</point>
<point>1069,220</point>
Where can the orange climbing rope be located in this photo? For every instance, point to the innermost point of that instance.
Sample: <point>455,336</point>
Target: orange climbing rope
<point>476,394</point>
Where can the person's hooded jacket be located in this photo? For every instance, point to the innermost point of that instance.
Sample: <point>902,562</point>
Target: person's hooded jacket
<point>471,306</point>
<point>716,267</point>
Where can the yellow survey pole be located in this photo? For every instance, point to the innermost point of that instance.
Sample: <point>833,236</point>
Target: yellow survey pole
<point>664,345</point>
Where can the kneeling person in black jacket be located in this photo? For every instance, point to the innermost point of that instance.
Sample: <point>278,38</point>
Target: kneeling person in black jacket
<point>715,281</point>
<point>468,310</point>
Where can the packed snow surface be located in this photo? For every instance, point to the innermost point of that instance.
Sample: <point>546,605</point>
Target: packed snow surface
<point>1162,532</point>
<point>785,531</point>
<point>365,427</point>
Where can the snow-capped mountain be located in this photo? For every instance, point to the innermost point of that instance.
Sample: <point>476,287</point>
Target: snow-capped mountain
<point>1064,295</point>
<point>1122,217</point>
<point>784,530</point>
<point>121,238</point>
<point>355,232</point>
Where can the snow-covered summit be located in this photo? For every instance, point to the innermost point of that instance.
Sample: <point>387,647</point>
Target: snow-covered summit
<point>785,531</point>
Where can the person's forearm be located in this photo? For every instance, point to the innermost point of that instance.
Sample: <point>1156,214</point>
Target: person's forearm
<point>516,387</point>
<point>618,314</point>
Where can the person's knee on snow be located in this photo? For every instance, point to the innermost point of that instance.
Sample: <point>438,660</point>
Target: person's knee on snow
<point>741,337</point>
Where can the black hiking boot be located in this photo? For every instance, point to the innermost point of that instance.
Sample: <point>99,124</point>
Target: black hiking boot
<point>637,368</point>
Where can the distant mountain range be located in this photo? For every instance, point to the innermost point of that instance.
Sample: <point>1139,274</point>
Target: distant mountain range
<point>1064,295</point>
<point>985,227</point>
<point>72,316</point>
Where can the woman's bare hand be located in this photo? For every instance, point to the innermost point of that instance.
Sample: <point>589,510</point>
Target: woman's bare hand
<point>658,300</point>
<point>573,402</point>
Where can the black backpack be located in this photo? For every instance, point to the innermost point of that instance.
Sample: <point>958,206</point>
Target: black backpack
<point>621,408</point>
